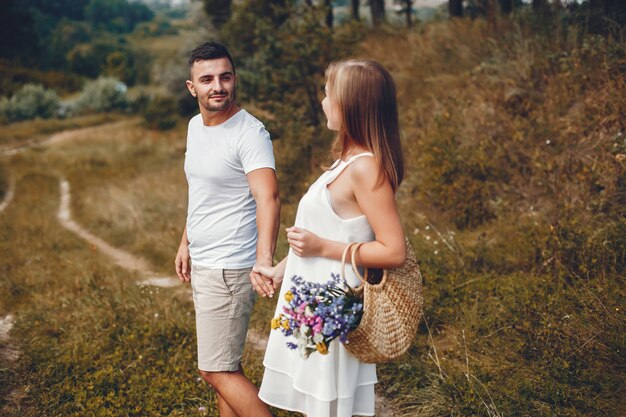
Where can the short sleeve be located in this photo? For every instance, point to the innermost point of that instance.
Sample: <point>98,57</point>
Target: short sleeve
<point>256,150</point>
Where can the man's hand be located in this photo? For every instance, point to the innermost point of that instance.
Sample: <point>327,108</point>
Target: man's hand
<point>183,263</point>
<point>272,273</point>
<point>262,285</point>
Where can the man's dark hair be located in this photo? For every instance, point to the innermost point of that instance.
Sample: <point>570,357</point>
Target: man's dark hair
<point>210,50</point>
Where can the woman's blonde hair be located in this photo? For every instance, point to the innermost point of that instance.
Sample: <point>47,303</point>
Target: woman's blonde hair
<point>366,97</point>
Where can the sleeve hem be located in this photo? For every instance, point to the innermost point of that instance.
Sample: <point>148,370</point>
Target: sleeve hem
<point>259,166</point>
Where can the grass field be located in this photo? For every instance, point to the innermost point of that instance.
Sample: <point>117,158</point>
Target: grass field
<point>521,250</point>
<point>92,341</point>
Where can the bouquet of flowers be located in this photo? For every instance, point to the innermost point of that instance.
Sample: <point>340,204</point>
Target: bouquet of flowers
<point>316,314</point>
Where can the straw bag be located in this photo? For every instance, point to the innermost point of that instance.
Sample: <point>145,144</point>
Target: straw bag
<point>392,310</point>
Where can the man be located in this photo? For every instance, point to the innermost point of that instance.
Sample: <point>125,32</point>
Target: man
<point>232,224</point>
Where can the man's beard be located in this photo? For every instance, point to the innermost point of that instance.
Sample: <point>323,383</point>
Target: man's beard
<point>224,105</point>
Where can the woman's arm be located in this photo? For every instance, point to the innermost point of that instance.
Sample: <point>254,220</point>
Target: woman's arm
<point>376,200</point>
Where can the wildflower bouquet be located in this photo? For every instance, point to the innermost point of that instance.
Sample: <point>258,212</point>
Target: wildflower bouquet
<point>316,314</point>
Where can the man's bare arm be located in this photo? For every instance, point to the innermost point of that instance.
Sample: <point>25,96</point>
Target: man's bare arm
<point>264,188</point>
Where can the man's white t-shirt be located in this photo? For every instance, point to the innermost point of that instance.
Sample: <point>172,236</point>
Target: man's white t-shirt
<point>221,216</point>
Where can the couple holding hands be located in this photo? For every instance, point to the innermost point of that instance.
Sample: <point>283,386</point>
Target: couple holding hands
<point>227,247</point>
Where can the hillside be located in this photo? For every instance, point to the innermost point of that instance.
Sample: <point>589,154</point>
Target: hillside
<point>514,140</point>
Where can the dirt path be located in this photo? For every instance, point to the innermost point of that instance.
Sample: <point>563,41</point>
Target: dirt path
<point>8,197</point>
<point>131,262</point>
<point>84,133</point>
<point>383,407</point>
<point>121,258</point>
<point>63,136</point>
<point>8,352</point>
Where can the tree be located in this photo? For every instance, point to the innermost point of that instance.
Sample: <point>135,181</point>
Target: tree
<point>65,36</point>
<point>354,9</point>
<point>219,11</point>
<point>455,8</point>
<point>506,6</point>
<point>490,5</point>
<point>281,59</point>
<point>70,9</point>
<point>329,12</point>
<point>328,6</point>
<point>539,4</point>
<point>604,16</point>
<point>117,16</point>
<point>407,9</point>
<point>378,11</point>
<point>17,29</point>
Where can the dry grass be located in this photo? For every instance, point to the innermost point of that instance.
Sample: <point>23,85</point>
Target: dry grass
<point>18,133</point>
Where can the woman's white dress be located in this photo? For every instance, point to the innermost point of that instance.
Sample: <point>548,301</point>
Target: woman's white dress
<point>336,384</point>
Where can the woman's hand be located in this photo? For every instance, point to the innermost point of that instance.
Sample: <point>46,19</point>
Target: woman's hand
<point>304,243</point>
<point>273,273</point>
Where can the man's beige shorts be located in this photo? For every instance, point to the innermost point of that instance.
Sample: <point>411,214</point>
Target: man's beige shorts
<point>224,299</point>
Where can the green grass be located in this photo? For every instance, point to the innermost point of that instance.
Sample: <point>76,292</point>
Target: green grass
<point>92,341</point>
<point>521,244</point>
<point>512,200</point>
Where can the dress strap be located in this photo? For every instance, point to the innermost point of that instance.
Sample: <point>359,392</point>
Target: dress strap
<point>338,167</point>
<point>353,157</point>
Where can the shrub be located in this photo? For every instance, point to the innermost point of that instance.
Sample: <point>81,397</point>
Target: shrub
<point>172,76</point>
<point>89,59</point>
<point>29,102</point>
<point>103,94</point>
<point>112,58</point>
<point>158,27</point>
<point>161,113</point>
<point>129,66</point>
<point>13,77</point>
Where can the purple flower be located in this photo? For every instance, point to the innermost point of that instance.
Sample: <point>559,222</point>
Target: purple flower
<point>319,311</point>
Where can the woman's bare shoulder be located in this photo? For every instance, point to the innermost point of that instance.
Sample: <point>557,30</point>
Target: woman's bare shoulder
<point>364,170</point>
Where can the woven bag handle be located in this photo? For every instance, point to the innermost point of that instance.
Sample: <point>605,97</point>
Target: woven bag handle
<point>355,246</point>
<point>356,270</point>
<point>343,261</point>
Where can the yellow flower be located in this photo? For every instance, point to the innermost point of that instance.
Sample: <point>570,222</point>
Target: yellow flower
<point>321,348</point>
<point>275,323</point>
<point>286,324</point>
<point>288,296</point>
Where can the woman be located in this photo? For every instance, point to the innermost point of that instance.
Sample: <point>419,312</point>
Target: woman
<point>354,201</point>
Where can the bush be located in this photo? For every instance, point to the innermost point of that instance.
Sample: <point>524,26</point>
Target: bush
<point>112,58</point>
<point>103,94</point>
<point>13,77</point>
<point>89,59</point>
<point>158,27</point>
<point>161,113</point>
<point>29,102</point>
